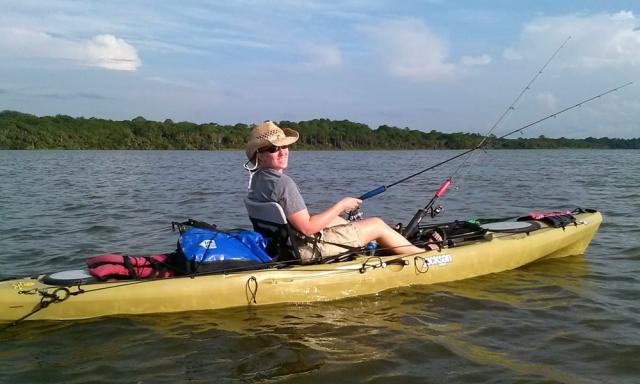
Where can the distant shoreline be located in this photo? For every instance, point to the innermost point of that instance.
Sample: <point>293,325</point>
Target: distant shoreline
<point>24,131</point>
<point>294,148</point>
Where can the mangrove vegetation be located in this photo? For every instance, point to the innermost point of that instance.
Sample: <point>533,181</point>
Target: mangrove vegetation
<point>26,131</point>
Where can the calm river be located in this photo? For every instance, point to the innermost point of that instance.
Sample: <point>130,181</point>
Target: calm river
<point>573,320</point>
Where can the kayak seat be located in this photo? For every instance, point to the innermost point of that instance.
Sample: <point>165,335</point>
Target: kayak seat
<point>269,220</point>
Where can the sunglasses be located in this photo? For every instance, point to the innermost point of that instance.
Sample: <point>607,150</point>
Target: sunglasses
<point>273,149</point>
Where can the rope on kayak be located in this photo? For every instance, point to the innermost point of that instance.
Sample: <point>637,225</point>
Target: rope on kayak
<point>37,308</point>
<point>425,264</point>
<point>378,263</point>
<point>252,289</point>
<point>57,296</point>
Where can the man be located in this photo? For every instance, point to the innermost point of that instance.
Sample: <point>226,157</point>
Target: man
<point>268,151</point>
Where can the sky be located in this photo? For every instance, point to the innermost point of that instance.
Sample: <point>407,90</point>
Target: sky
<point>451,66</point>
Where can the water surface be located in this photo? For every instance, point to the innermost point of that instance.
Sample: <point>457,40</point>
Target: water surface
<point>573,320</point>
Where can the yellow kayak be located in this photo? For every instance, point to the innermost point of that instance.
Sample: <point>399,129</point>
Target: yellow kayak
<point>497,250</point>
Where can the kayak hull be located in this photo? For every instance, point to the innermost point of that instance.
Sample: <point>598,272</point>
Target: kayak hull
<point>31,299</point>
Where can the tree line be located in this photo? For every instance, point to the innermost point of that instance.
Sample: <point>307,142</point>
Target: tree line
<point>25,131</point>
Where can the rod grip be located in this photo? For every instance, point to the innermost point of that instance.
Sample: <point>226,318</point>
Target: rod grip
<point>373,192</point>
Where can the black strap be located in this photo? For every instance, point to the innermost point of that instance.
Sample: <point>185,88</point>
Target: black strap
<point>159,268</point>
<point>127,264</point>
<point>316,238</point>
<point>192,223</point>
<point>560,221</point>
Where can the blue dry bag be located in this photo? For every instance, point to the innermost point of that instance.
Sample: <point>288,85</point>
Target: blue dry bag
<point>203,250</point>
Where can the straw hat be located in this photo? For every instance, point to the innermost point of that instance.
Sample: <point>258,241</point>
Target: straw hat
<point>268,133</point>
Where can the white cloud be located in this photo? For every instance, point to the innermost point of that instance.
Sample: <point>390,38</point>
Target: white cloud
<point>323,56</point>
<point>174,83</point>
<point>597,40</point>
<point>511,54</point>
<point>105,51</point>
<point>476,60</point>
<point>110,52</point>
<point>411,50</point>
<point>547,99</point>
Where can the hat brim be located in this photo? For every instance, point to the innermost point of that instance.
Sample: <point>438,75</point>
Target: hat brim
<point>291,137</point>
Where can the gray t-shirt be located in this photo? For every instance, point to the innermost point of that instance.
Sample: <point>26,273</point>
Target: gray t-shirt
<point>270,185</point>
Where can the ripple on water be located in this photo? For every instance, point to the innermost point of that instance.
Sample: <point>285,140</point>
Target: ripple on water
<point>568,320</point>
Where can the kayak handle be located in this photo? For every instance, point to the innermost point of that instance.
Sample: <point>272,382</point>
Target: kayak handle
<point>373,192</point>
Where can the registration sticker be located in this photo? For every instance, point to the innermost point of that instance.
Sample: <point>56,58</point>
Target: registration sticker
<point>438,260</point>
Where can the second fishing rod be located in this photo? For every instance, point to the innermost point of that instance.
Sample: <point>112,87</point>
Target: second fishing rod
<point>511,107</point>
<point>412,227</point>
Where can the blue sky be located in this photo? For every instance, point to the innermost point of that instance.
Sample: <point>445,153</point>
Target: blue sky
<point>443,65</point>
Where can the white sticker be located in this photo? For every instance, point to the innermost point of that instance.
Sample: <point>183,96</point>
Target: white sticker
<point>438,260</point>
<point>209,244</point>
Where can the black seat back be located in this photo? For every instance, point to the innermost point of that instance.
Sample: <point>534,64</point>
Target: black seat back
<point>269,220</point>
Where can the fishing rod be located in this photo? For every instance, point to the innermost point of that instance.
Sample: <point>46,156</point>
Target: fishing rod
<point>524,90</point>
<point>383,188</point>
<point>374,192</point>
<point>413,225</point>
<point>513,104</point>
<point>511,107</point>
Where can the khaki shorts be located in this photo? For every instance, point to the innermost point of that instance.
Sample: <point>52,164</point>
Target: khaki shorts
<point>346,234</point>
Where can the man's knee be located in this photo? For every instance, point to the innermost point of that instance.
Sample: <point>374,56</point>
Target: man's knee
<point>375,226</point>
<point>376,222</point>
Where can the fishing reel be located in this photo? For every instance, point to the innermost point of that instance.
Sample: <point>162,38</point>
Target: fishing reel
<point>413,228</point>
<point>355,214</point>
<point>435,211</point>
<point>414,225</point>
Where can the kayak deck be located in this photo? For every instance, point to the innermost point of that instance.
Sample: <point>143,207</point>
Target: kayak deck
<point>30,298</point>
